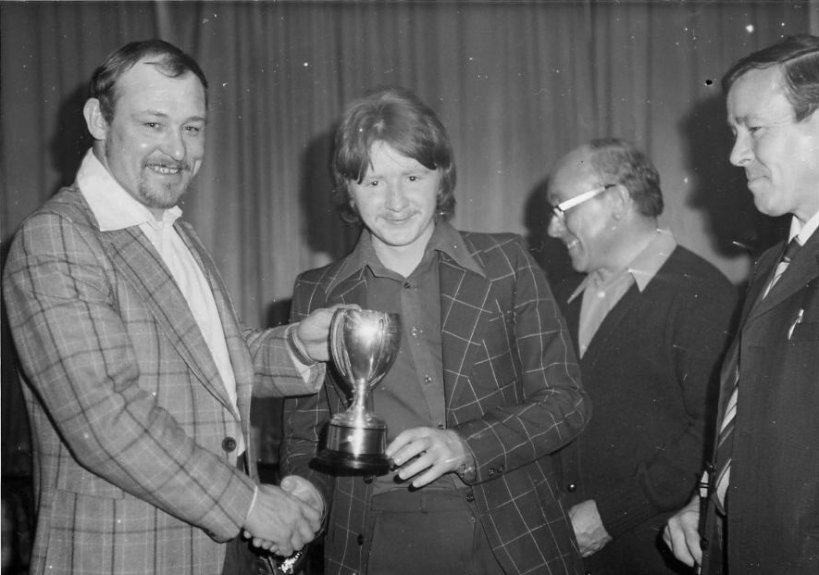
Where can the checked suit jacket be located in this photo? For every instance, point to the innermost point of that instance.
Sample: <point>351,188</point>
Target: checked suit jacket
<point>134,435</point>
<point>512,391</point>
<point>772,523</point>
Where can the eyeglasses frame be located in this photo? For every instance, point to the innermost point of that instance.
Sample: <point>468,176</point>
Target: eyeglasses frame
<point>559,211</point>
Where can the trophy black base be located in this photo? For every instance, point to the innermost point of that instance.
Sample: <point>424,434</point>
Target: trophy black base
<point>366,464</point>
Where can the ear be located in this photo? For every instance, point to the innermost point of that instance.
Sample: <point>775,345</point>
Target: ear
<point>97,125</point>
<point>620,201</point>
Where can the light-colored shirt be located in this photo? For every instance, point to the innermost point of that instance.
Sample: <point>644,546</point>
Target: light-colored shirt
<point>803,232</point>
<point>601,294</point>
<point>115,209</point>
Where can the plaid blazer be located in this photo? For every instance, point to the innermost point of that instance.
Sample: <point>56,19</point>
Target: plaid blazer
<point>512,390</point>
<point>133,432</point>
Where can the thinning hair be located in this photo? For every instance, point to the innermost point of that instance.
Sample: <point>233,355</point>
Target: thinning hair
<point>798,57</point>
<point>617,161</point>
<point>170,60</point>
<point>394,116</point>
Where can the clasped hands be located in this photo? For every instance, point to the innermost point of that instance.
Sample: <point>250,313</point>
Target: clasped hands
<point>429,452</point>
<point>284,519</point>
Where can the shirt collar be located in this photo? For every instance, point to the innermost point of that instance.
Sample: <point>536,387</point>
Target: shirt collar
<point>113,207</point>
<point>803,232</point>
<point>642,268</point>
<point>444,239</point>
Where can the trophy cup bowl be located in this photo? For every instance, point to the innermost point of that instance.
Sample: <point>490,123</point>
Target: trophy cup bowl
<point>363,344</point>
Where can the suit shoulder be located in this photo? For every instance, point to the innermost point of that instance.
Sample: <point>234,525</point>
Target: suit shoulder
<point>688,267</point>
<point>68,203</point>
<point>318,278</point>
<point>693,281</point>
<point>483,242</point>
<point>64,214</point>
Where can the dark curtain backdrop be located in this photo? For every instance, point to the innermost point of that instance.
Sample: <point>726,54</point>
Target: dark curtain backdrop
<point>516,83</point>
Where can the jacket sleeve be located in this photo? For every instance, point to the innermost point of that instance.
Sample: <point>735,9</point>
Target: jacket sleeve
<point>550,408</point>
<point>276,373</point>
<point>305,417</point>
<point>697,331</point>
<point>78,358</point>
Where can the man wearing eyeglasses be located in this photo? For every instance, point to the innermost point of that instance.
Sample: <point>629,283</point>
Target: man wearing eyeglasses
<point>649,321</point>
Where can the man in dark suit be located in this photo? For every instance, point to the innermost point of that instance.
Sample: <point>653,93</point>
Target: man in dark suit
<point>138,375</point>
<point>761,513</point>
<point>650,320</point>
<point>485,385</point>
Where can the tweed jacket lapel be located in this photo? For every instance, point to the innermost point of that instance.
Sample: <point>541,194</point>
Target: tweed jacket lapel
<point>461,325</point>
<point>137,260</point>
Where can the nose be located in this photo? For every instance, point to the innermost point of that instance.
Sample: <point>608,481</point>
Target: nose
<point>174,145</point>
<point>556,226</point>
<point>396,200</point>
<point>741,153</point>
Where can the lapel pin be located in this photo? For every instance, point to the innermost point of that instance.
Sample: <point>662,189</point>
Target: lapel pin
<point>800,315</point>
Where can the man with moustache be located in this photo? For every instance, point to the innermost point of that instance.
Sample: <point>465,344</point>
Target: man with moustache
<point>649,320</point>
<point>485,385</point>
<point>761,507</point>
<point>137,374</point>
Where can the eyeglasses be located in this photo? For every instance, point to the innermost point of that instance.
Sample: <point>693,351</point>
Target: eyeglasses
<point>559,211</point>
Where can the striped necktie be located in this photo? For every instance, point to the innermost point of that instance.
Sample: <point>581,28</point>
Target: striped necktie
<point>722,463</point>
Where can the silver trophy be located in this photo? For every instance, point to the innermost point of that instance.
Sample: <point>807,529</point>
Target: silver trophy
<point>364,344</point>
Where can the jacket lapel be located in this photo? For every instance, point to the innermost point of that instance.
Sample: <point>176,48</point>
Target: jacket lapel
<point>803,268</point>
<point>137,260</point>
<point>464,294</point>
<point>240,360</point>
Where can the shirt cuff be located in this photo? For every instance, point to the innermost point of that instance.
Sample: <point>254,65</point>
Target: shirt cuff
<point>252,502</point>
<point>301,359</point>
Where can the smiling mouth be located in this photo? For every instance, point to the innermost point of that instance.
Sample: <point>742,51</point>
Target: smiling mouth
<point>398,219</point>
<point>165,170</point>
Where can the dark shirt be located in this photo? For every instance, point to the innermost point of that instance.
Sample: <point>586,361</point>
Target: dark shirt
<point>412,393</point>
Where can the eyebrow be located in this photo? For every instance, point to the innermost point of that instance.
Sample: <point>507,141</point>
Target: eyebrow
<point>158,114</point>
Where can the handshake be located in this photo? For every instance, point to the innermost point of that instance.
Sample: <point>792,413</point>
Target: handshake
<point>284,519</point>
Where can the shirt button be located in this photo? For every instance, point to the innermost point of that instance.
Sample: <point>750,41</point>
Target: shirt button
<point>571,487</point>
<point>407,285</point>
<point>470,496</point>
<point>427,379</point>
<point>228,444</point>
<point>414,332</point>
<point>360,539</point>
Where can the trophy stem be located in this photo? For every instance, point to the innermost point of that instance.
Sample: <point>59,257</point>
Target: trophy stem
<point>358,405</point>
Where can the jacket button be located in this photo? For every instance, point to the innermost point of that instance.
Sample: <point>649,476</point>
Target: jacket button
<point>368,479</point>
<point>360,539</point>
<point>470,496</point>
<point>228,444</point>
<point>704,543</point>
<point>571,488</point>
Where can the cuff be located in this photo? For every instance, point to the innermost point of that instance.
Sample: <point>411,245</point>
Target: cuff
<point>252,503</point>
<point>623,509</point>
<point>467,471</point>
<point>297,350</point>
